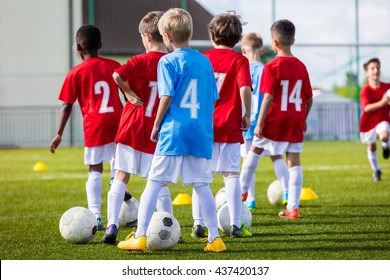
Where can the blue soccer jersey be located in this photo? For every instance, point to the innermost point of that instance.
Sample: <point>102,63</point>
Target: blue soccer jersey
<point>187,128</point>
<point>256,69</point>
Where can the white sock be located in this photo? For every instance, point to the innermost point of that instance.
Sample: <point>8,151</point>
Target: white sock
<point>233,198</point>
<point>248,169</point>
<point>294,187</point>
<point>114,201</point>
<point>164,200</point>
<point>251,191</point>
<point>147,205</point>
<point>196,211</point>
<point>282,173</point>
<point>93,188</point>
<point>373,160</point>
<point>208,207</point>
<point>112,170</point>
<point>385,145</point>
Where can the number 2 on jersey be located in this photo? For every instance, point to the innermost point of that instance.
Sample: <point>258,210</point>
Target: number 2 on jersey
<point>294,97</point>
<point>103,87</point>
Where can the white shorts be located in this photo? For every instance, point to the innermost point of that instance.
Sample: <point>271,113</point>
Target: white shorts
<point>245,148</point>
<point>274,148</point>
<point>132,161</point>
<point>370,137</point>
<point>99,154</point>
<point>191,169</point>
<point>226,157</point>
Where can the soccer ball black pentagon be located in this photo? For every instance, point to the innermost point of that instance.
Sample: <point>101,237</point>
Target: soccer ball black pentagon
<point>163,232</point>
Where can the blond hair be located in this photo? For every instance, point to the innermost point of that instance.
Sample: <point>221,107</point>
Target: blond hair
<point>252,42</point>
<point>177,23</point>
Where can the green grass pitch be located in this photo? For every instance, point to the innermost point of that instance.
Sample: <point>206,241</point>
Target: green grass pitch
<point>349,221</point>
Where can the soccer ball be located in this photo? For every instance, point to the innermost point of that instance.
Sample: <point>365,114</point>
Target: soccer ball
<point>275,193</point>
<point>224,218</point>
<point>163,232</point>
<point>78,225</point>
<point>220,197</point>
<point>128,213</point>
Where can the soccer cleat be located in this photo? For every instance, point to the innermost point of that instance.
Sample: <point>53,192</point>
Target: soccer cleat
<point>181,240</point>
<point>289,214</point>
<point>216,246</point>
<point>133,244</point>
<point>110,235</point>
<point>237,232</point>
<point>128,196</point>
<point>386,152</point>
<point>244,196</point>
<point>377,176</point>
<point>251,205</point>
<point>99,222</point>
<point>285,199</point>
<point>198,232</point>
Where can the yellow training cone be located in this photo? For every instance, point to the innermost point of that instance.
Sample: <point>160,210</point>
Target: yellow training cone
<point>39,166</point>
<point>308,194</point>
<point>182,198</point>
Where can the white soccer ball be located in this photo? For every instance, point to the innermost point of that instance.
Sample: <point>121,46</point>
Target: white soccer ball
<point>224,218</point>
<point>220,197</point>
<point>163,232</point>
<point>275,193</point>
<point>129,212</point>
<point>78,225</point>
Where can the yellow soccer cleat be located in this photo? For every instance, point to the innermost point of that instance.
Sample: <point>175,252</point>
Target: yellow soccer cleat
<point>216,246</point>
<point>133,244</point>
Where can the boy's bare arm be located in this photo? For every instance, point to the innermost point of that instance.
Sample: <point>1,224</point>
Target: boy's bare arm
<point>375,106</point>
<point>246,99</point>
<point>165,102</point>
<point>309,103</point>
<point>125,87</point>
<point>265,105</point>
<point>66,110</point>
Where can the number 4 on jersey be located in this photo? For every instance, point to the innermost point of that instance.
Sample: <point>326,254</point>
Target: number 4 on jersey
<point>190,99</point>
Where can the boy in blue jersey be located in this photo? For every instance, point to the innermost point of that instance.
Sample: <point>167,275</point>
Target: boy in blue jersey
<point>252,48</point>
<point>183,129</point>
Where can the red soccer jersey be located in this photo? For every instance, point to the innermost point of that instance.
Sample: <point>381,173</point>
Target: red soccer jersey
<point>287,79</point>
<point>91,83</point>
<point>370,95</point>
<point>137,122</point>
<point>231,72</point>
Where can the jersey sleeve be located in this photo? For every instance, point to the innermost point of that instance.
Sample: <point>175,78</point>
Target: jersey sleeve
<point>126,71</point>
<point>244,75</point>
<point>165,79</point>
<point>266,83</point>
<point>69,90</point>
<point>364,101</point>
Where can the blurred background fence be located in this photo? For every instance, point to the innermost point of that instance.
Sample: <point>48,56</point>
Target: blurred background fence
<point>35,126</point>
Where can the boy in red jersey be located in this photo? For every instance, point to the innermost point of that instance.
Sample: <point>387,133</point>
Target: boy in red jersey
<point>231,116</point>
<point>134,153</point>
<point>282,121</point>
<point>92,85</point>
<point>375,120</point>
